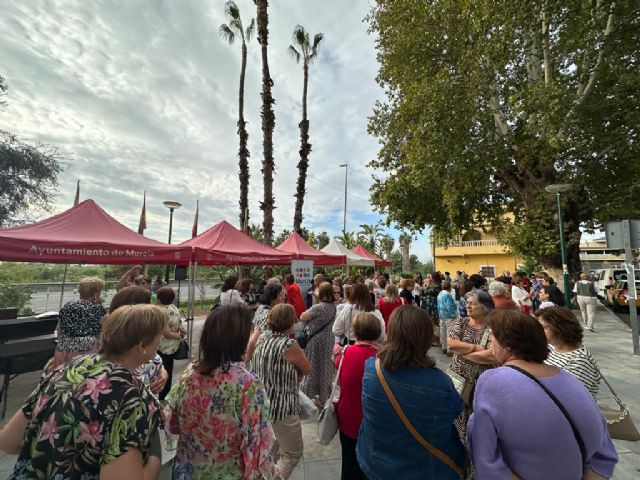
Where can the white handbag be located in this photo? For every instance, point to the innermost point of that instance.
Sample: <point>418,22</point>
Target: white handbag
<point>328,420</point>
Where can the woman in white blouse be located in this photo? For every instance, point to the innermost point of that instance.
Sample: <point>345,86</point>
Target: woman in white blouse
<point>564,334</point>
<point>359,301</point>
<point>229,295</point>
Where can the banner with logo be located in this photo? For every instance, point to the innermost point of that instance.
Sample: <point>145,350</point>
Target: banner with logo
<point>302,271</point>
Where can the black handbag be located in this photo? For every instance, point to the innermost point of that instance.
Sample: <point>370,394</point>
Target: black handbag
<point>182,353</point>
<point>303,337</point>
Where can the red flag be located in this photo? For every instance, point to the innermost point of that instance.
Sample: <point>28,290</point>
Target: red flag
<point>194,229</point>
<point>77,199</point>
<point>143,215</point>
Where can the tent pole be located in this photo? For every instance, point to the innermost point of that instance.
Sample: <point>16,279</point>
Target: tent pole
<point>190,308</point>
<point>64,281</point>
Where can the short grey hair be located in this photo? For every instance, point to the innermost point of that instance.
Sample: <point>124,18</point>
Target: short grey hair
<point>483,298</point>
<point>497,289</point>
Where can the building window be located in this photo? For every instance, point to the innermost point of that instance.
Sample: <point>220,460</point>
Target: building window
<point>488,271</point>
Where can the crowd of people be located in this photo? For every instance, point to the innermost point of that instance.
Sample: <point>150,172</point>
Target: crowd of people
<point>516,402</point>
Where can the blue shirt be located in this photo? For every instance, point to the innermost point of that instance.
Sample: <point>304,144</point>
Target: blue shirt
<point>446,305</point>
<point>385,448</point>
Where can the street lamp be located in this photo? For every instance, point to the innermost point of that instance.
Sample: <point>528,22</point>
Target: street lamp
<point>171,205</point>
<point>344,218</point>
<point>558,188</point>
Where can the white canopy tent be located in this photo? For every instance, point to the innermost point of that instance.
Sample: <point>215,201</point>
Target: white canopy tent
<point>353,259</point>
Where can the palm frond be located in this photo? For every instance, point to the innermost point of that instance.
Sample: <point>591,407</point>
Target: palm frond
<point>236,25</point>
<point>226,33</point>
<point>300,36</point>
<point>317,40</point>
<point>231,10</point>
<point>294,53</point>
<point>250,29</point>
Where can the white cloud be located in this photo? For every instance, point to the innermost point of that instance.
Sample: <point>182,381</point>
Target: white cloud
<point>142,95</point>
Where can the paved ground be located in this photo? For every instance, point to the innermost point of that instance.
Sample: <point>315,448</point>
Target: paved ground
<point>611,345</point>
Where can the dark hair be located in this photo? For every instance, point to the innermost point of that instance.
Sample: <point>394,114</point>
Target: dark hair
<point>477,280</point>
<point>382,283</point>
<point>244,285</point>
<point>436,277</point>
<point>409,337</point>
<point>563,322</point>
<point>366,326</point>
<point>555,294</point>
<point>289,278</point>
<point>325,292</point>
<point>270,293</point>
<point>166,295</point>
<point>520,333</point>
<point>133,295</point>
<point>467,286</point>
<point>518,277</point>
<point>359,296</point>
<point>224,338</point>
<point>229,283</point>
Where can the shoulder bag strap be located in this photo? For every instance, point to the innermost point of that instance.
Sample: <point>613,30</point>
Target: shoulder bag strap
<point>335,380</point>
<point>583,450</point>
<point>439,454</point>
<point>313,334</point>
<point>624,409</point>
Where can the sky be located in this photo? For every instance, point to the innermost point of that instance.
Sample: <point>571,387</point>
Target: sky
<point>142,95</point>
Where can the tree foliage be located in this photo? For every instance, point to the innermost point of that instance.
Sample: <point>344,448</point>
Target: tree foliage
<point>490,102</point>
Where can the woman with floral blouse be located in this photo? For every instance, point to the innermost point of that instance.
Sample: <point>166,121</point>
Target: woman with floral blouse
<point>219,409</point>
<point>93,419</point>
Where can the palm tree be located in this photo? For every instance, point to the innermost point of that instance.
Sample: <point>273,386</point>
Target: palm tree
<point>405,243</point>
<point>371,235</point>
<point>348,239</point>
<point>256,232</point>
<point>386,245</point>
<point>308,52</point>
<point>229,32</point>
<point>322,240</point>
<point>268,122</point>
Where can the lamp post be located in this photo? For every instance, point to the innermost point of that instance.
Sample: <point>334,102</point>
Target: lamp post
<point>171,205</point>
<point>344,218</point>
<point>558,188</point>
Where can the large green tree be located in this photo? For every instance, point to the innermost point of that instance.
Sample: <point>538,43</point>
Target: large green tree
<point>306,50</point>
<point>229,32</point>
<point>28,174</point>
<point>268,121</point>
<point>489,102</point>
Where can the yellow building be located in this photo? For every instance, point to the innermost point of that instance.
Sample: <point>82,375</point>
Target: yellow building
<point>475,252</point>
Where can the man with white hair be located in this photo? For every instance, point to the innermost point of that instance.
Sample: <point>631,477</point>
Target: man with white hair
<point>500,295</point>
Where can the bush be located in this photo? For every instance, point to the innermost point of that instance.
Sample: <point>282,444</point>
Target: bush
<point>14,296</point>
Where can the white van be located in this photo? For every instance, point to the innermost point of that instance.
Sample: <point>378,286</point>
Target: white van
<point>607,277</point>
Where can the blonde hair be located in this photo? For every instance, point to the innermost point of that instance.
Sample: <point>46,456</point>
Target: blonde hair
<point>391,293</point>
<point>130,325</point>
<point>406,282</point>
<point>89,287</point>
<point>584,276</point>
<point>281,317</point>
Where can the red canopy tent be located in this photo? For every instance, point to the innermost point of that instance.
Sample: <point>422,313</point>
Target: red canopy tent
<point>223,244</point>
<point>85,234</point>
<point>363,252</point>
<point>303,251</point>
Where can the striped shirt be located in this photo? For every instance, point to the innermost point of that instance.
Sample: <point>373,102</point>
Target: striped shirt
<point>280,378</point>
<point>579,363</point>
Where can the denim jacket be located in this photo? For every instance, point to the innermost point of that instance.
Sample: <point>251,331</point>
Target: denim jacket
<point>386,449</point>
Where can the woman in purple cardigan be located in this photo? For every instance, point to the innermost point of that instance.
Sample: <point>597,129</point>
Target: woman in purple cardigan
<point>517,429</point>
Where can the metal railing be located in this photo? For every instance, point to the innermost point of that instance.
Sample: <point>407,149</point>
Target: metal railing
<point>471,243</point>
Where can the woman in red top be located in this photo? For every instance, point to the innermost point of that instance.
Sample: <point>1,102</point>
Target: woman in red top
<point>389,303</point>
<point>366,329</point>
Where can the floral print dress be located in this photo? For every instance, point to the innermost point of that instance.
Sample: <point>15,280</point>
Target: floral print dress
<point>83,416</point>
<point>223,423</point>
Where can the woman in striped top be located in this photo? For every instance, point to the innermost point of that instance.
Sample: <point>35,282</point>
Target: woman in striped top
<point>564,334</point>
<point>279,362</point>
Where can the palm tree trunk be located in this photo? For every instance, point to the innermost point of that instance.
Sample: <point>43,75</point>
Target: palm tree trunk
<point>268,122</point>
<point>305,149</point>
<point>406,264</point>
<point>243,153</point>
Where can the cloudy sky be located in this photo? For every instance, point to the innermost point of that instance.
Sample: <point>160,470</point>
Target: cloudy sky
<point>142,95</point>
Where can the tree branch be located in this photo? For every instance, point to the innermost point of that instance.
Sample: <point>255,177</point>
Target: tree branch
<point>584,92</point>
<point>548,74</point>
